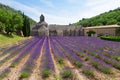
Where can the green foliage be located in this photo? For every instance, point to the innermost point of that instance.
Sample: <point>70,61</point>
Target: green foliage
<point>46,73</point>
<point>98,56</point>
<point>13,64</point>
<point>118,23</point>
<point>66,73</point>
<point>101,67</point>
<point>107,61</point>
<point>24,75</point>
<point>111,38</point>
<point>117,58</point>
<point>91,32</point>
<point>88,72</point>
<point>2,26</point>
<point>116,65</point>
<point>61,60</point>
<point>95,64</point>
<point>107,18</point>
<point>26,26</point>
<point>87,58</point>
<point>106,70</point>
<point>91,53</point>
<point>81,54</point>
<point>11,21</point>
<point>78,64</point>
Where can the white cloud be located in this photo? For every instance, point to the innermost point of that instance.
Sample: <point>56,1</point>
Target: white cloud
<point>64,16</point>
<point>96,7</point>
<point>34,13</point>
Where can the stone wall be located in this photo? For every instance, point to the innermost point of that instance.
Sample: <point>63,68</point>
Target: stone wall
<point>58,30</point>
<point>102,30</point>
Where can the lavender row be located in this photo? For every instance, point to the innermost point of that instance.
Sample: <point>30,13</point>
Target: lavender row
<point>31,62</point>
<point>71,55</point>
<point>25,51</point>
<point>57,52</point>
<point>47,64</point>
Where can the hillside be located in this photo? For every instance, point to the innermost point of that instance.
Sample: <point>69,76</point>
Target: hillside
<point>5,8</point>
<point>13,21</point>
<point>107,18</point>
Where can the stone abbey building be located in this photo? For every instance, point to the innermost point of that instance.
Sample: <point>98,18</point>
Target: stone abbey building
<point>43,29</point>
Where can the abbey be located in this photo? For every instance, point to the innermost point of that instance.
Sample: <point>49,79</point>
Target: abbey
<point>43,29</point>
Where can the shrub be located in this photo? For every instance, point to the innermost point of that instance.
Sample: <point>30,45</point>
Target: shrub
<point>66,74</point>
<point>111,38</point>
<point>61,60</point>
<point>102,68</point>
<point>81,54</point>
<point>84,51</point>
<point>116,65</point>
<point>13,64</point>
<point>87,58</point>
<point>107,61</point>
<point>106,70</point>
<point>46,73</point>
<point>98,56</point>
<point>78,64</point>
<point>91,53</point>
<point>95,64</point>
<point>117,58</point>
<point>91,32</point>
<point>88,72</point>
<point>24,75</point>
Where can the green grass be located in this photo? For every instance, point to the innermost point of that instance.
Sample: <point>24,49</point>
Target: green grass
<point>66,73</point>
<point>88,72</point>
<point>24,75</point>
<point>4,39</point>
<point>46,73</point>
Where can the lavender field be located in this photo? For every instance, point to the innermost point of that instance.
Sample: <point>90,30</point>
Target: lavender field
<point>61,58</point>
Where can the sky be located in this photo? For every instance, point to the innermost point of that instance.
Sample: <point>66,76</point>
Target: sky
<point>62,11</point>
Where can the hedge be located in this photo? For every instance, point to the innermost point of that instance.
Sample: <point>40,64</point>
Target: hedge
<point>111,38</point>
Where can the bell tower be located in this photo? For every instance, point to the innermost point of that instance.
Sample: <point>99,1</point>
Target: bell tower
<point>42,18</point>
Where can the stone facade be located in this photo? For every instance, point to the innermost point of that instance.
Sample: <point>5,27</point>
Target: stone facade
<point>43,29</point>
<point>102,30</point>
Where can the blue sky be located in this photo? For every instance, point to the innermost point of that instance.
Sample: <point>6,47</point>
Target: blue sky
<point>62,11</point>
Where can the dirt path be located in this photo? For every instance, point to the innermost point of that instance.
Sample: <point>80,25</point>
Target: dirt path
<point>3,57</point>
<point>14,74</point>
<point>8,63</point>
<point>57,72</point>
<point>17,70</point>
<point>77,72</point>
<point>102,76</point>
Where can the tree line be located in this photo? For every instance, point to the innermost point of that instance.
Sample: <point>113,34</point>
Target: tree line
<point>107,18</point>
<point>13,21</point>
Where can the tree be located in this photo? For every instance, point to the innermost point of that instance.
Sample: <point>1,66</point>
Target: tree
<point>15,23</point>
<point>26,26</point>
<point>2,26</point>
<point>90,32</point>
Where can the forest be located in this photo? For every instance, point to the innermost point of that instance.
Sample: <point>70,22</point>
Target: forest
<point>108,18</point>
<point>14,21</point>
